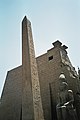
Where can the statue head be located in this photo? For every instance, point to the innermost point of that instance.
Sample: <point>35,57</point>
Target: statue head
<point>70,92</point>
<point>62,77</point>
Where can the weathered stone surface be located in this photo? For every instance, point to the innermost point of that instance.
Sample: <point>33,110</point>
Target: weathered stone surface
<point>10,107</point>
<point>30,72</point>
<point>27,98</point>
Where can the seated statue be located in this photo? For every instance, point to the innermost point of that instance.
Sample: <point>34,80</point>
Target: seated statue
<point>65,109</point>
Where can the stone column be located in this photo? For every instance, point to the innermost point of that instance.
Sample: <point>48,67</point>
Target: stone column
<point>31,87</point>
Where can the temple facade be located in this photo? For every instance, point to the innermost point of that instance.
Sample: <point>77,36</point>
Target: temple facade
<point>30,91</point>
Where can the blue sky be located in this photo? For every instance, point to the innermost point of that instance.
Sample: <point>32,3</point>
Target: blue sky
<point>51,20</point>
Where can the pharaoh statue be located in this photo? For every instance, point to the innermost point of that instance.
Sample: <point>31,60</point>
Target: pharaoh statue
<point>65,109</point>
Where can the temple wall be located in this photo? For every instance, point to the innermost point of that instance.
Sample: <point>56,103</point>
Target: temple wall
<point>11,98</point>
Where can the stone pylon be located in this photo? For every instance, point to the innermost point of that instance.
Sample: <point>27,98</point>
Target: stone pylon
<point>31,99</point>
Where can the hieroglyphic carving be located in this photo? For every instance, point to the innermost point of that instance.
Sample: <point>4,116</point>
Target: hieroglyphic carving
<point>37,103</point>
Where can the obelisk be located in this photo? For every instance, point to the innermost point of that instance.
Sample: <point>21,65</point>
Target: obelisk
<point>31,100</point>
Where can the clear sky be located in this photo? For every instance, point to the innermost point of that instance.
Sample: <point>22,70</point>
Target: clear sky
<point>51,20</point>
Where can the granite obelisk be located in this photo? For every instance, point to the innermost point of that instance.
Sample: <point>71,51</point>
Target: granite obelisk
<point>31,89</point>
